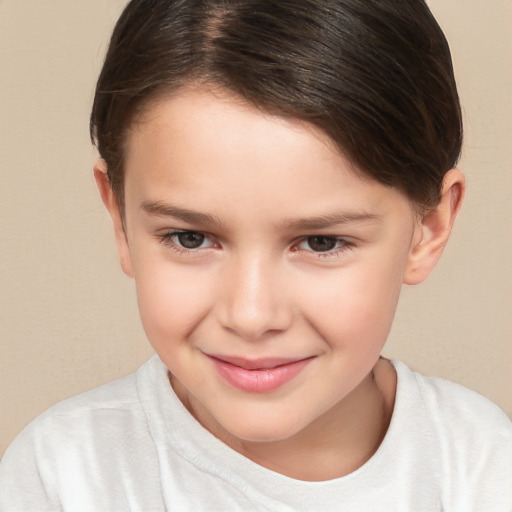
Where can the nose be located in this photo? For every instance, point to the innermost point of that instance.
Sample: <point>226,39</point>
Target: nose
<point>255,301</point>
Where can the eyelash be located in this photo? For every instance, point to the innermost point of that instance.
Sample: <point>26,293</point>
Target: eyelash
<point>169,239</point>
<point>335,251</point>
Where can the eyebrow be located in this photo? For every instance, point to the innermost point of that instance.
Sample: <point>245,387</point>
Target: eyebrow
<point>330,220</point>
<point>159,209</point>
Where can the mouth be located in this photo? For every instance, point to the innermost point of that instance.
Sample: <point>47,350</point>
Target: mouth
<point>258,375</point>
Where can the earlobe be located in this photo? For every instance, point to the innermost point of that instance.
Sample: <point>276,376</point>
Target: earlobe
<point>111,203</point>
<point>433,230</point>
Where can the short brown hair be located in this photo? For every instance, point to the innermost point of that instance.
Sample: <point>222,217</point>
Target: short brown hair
<point>375,75</point>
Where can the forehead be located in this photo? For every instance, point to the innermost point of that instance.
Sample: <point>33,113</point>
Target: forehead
<point>212,147</point>
<point>203,114</point>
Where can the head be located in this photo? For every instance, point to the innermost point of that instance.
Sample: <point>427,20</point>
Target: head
<point>275,171</point>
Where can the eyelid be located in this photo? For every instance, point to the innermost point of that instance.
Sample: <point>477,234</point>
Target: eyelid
<point>168,236</point>
<point>346,245</point>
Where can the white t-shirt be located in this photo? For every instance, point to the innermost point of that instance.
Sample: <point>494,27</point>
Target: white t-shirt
<point>131,446</point>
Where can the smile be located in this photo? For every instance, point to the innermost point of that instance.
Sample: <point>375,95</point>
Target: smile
<point>260,375</point>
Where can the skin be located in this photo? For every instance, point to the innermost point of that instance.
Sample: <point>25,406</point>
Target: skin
<point>257,285</point>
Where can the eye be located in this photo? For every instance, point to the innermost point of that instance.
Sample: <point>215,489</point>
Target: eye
<point>186,240</point>
<point>323,246</point>
<point>320,243</point>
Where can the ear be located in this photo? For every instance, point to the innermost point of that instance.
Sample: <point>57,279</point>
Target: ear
<point>110,201</point>
<point>433,230</point>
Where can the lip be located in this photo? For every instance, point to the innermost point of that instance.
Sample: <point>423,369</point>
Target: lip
<point>258,375</point>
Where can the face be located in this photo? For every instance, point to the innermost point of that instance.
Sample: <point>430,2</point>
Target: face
<point>267,270</point>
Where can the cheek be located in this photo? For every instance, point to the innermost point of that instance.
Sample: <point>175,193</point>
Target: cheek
<point>354,306</point>
<point>172,300</point>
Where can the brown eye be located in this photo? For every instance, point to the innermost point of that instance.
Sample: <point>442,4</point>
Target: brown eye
<point>190,239</point>
<point>321,243</point>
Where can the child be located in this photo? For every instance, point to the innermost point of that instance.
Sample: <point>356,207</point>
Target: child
<point>275,171</point>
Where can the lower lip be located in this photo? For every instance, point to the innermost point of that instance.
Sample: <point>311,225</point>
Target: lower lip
<point>259,381</point>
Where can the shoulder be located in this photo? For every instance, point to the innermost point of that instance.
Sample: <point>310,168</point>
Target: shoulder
<point>83,440</point>
<point>468,436</point>
<point>113,399</point>
<point>103,417</point>
<point>449,404</point>
<point>74,421</point>
<point>111,407</point>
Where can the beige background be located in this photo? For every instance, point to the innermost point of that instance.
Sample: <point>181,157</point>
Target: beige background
<point>68,315</point>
